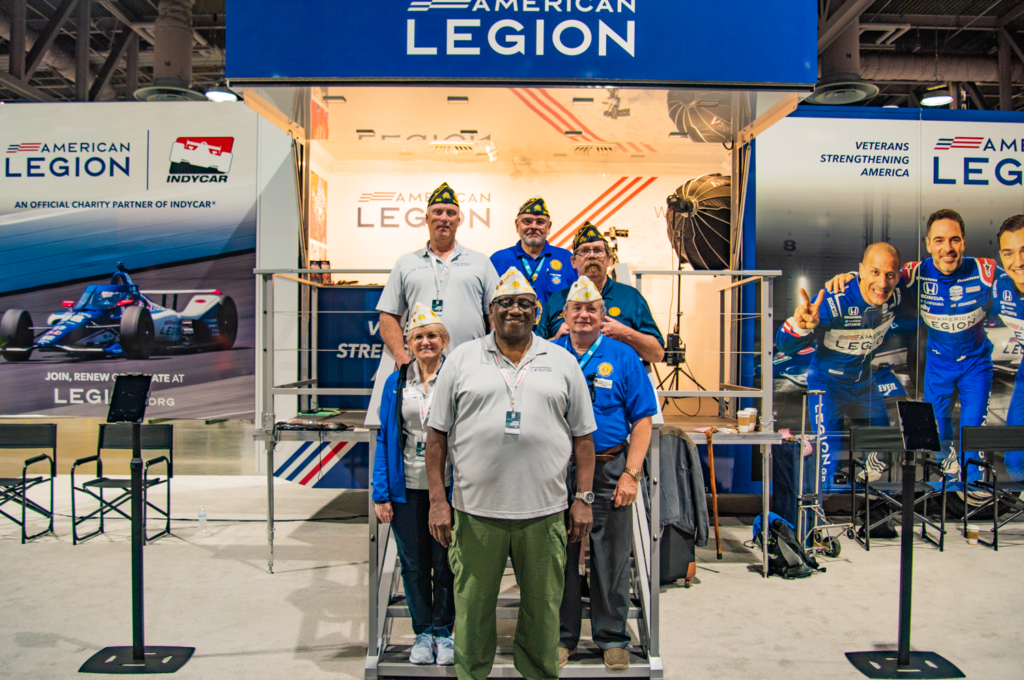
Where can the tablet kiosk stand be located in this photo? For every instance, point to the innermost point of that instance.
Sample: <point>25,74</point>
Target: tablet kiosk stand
<point>920,436</point>
<point>128,405</point>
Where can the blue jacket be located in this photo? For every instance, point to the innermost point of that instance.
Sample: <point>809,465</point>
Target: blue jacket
<point>389,462</point>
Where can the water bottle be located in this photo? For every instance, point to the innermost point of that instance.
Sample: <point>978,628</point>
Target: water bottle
<point>202,519</point>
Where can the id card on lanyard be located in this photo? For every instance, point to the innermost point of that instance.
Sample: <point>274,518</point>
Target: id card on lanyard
<point>437,304</point>
<point>513,418</point>
<point>533,274</point>
<point>425,402</point>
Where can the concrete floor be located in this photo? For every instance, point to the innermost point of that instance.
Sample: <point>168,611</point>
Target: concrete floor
<point>62,603</point>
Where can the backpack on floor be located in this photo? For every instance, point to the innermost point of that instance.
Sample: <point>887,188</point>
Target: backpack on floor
<point>785,556</point>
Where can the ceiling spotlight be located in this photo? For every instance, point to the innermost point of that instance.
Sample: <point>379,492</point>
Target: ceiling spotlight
<point>221,93</point>
<point>890,106</point>
<point>937,99</point>
<point>455,99</point>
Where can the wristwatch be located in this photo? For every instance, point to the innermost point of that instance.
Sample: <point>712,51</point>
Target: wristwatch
<point>635,474</point>
<point>586,496</point>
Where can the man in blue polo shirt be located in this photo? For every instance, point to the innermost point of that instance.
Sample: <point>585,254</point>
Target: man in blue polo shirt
<point>624,403</point>
<point>627,317</point>
<point>547,267</point>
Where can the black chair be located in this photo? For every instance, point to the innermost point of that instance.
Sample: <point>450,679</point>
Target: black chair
<point>890,440</point>
<point>994,439</point>
<point>119,436</point>
<point>15,489</point>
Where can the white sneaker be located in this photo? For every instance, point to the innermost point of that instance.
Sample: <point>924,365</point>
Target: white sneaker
<point>873,467</point>
<point>951,466</point>
<point>422,649</point>
<point>445,651</point>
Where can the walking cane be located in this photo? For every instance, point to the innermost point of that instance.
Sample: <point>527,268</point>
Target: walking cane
<point>714,491</point>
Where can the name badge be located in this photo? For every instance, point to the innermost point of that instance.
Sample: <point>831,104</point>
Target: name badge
<point>603,382</point>
<point>437,306</point>
<point>512,422</point>
<point>421,449</point>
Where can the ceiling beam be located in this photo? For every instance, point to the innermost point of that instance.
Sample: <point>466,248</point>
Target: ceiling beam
<point>1011,15</point>
<point>22,88</point>
<point>976,96</point>
<point>117,49</point>
<point>935,21</point>
<point>46,38</point>
<point>830,28</point>
<point>1013,43</point>
<point>17,46</point>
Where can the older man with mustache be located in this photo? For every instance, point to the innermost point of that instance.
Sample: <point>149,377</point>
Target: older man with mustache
<point>627,319</point>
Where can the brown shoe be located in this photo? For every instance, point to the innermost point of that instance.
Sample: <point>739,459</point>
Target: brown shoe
<point>563,656</point>
<point>616,659</point>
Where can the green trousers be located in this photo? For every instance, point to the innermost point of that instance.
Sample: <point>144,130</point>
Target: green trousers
<point>479,550</point>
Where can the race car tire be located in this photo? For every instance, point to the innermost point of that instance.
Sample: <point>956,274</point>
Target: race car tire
<point>137,332</point>
<point>227,323</point>
<point>16,331</point>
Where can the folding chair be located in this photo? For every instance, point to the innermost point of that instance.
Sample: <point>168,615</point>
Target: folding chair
<point>890,440</point>
<point>15,489</point>
<point>119,436</point>
<point>993,439</point>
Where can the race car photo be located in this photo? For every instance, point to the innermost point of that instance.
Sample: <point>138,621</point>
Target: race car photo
<point>120,320</point>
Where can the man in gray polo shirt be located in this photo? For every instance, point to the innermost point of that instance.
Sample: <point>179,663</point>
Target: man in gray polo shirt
<point>455,281</point>
<point>509,409</point>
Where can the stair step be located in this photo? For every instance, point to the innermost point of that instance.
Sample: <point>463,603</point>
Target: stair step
<point>508,608</point>
<point>588,662</point>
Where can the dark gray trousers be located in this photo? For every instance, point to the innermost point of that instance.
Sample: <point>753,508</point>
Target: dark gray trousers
<point>611,541</point>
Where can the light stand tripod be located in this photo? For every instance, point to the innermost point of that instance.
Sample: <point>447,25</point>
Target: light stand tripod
<point>128,405</point>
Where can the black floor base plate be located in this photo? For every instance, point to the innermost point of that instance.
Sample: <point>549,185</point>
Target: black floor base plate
<point>119,661</point>
<point>923,665</point>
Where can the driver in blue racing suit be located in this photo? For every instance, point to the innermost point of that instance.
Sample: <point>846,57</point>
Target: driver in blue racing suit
<point>1009,303</point>
<point>955,295</point>
<point>847,329</point>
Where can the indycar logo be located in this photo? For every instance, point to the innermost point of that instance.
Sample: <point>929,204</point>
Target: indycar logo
<point>956,293</point>
<point>200,159</point>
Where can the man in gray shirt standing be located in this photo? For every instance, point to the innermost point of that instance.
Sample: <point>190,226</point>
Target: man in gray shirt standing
<point>509,409</point>
<point>455,281</point>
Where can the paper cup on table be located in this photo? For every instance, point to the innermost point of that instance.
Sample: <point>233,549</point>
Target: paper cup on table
<point>753,419</point>
<point>972,534</point>
<point>743,421</point>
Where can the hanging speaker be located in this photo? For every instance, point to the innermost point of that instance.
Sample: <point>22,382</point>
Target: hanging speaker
<point>699,218</point>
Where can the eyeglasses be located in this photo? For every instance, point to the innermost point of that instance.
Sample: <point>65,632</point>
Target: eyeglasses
<point>587,252</point>
<point>530,221</point>
<point>524,305</point>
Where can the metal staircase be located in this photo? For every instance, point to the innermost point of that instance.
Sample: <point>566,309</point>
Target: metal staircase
<point>385,658</point>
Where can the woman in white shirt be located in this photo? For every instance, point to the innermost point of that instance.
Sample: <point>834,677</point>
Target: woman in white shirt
<point>400,493</point>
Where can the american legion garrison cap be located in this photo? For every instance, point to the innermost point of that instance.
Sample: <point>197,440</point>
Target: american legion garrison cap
<point>587,234</point>
<point>534,206</point>
<point>443,194</point>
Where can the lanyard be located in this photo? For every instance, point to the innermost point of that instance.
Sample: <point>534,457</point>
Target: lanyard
<point>585,359</point>
<point>520,374</point>
<point>444,270</point>
<point>540,266</point>
<point>426,401</point>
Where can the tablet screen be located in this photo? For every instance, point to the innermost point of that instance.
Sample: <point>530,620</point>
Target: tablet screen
<point>131,393</point>
<point>917,423</point>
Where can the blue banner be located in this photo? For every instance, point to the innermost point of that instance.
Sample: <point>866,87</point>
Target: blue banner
<point>348,337</point>
<point>743,42</point>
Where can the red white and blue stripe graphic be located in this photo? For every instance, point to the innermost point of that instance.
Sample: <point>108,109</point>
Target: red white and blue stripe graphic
<point>601,209</point>
<point>31,147</point>
<point>312,461</point>
<point>945,143</point>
